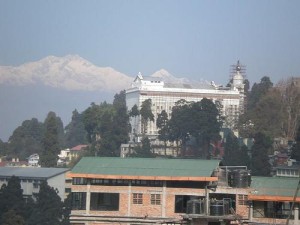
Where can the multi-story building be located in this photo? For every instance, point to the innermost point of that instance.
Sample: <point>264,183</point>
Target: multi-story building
<point>164,95</point>
<point>178,191</point>
<point>31,177</point>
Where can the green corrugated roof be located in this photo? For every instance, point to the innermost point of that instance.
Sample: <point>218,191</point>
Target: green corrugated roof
<point>146,166</point>
<point>274,186</point>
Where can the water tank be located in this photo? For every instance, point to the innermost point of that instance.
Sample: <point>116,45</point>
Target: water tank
<point>239,178</point>
<point>219,208</point>
<point>195,206</point>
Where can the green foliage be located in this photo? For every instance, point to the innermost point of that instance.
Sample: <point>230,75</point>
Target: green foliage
<point>120,124</point>
<point>51,145</point>
<point>200,120</point>
<point>162,124</point>
<point>107,126</point>
<point>146,114</point>
<point>67,207</point>
<point>26,139</point>
<point>267,114</point>
<point>3,148</point>
<point>75,131</point>
<point>48,208</point>
<point>258,91</point>
<point>134,111</point>
<point>11,197</point>
<point>12,218</point>
<point>143,150</point>
<point>264,111</point>
<point>260,165</point>
<point>235,155</point>
<point>296,146</point>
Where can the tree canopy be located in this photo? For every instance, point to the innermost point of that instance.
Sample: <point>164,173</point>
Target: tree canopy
<point>146,114</point>
<point>260,165</point>
<point>48,209</point>
<point>51,143</point>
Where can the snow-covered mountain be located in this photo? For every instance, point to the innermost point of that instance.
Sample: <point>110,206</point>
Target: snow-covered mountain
<point>70,73</point>
<point>169,78</point>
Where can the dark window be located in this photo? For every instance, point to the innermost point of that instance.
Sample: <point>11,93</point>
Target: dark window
<point>78,200</point>
<point>68,190</point>
<point>181,202</point>
<point>147,183</point>
<point>110,182</point>
<point>137,198</point>
<point>105,201</point>
<point>186,184</point>
<point>79,181</point>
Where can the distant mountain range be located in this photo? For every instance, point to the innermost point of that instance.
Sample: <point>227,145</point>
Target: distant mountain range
<point>59,84</point>
<point>72,72</point>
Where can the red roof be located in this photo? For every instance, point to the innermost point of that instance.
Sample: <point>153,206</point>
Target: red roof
<point>78,147</point>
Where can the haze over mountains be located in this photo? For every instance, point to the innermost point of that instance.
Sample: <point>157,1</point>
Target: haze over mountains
<point>59,84</point>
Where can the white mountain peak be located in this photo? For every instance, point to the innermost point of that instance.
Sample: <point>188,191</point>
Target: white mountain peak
<point>70,72</point>
<point>168,77</point>
<point>162,73</point>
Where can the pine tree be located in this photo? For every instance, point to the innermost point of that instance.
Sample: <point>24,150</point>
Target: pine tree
<point>75,131</point>
<point>12,218</point>
<point>11,197</point>
<point>51,147</point>
<point>260,165</point>
<point>296,146</point>
<point>146,114</point>
<point>162,124</point>
<point>48,208</point>
<point>235,154</point>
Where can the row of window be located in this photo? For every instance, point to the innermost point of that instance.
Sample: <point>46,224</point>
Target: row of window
<point>111,201</point>
<point>143,183</point>
<point>108,201</point>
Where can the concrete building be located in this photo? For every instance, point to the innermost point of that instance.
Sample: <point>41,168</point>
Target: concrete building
<point>177,191</point>
<point>165,94</point>
<point>31,177</point>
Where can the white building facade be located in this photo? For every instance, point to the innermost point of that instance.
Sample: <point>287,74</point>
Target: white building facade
<point>164,95</point>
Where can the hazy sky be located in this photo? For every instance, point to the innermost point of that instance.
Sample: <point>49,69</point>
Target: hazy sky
<point>193,39</point>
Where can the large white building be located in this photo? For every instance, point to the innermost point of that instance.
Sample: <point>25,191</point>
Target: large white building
<point>165,94</point>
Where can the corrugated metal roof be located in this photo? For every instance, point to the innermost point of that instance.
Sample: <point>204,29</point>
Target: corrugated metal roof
<point>32,172</point>
<point>274,186</point>
<point>146,166</point>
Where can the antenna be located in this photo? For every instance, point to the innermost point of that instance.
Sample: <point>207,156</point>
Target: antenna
<point>238,67</point>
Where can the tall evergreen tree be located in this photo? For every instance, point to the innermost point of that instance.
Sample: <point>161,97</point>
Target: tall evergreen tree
<point>260,165</point>
<point>11,198</point>
<point>134,113</point>
<point>235,154</point>
<point>75,131</point>
<point>296,146</point>
<point>51,147</point>
<point>48,209</point>
<point>120,121</point>
<point>146,114</point>
<point>258,90</point>
<point>162,124</point>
